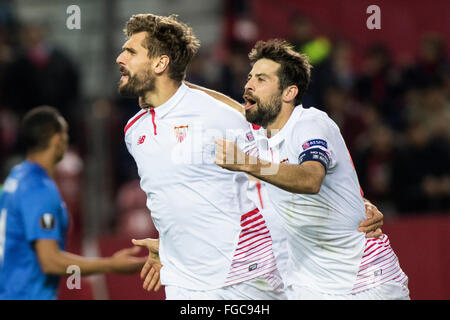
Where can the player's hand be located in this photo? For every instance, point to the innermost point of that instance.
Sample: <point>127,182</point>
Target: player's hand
<point>229,156</point>
<point>125,261</point>
<point>150,272</point>
<point>374,220</point>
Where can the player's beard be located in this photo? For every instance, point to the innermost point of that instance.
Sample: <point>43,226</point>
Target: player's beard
<point>138,84</point>
<point>264,113</point>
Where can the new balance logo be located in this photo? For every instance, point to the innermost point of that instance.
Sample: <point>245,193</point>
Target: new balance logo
<point>141,140</point>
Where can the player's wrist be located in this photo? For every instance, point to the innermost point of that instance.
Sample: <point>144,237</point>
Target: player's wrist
<point>108,265</point>
<point>250,165</point>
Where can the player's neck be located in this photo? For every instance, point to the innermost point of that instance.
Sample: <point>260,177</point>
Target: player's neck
<point>43,159</point>
<point>275,126</point>
<point>163,91</point>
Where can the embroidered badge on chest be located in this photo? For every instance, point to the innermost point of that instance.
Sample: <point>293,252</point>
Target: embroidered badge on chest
<point>250,136</point>
<point>180,132</point>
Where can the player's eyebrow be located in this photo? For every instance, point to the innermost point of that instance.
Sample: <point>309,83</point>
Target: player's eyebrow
<point>261,75</point>
<point>131,50</point>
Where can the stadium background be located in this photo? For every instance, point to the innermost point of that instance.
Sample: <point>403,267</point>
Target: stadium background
<point>387,89</point>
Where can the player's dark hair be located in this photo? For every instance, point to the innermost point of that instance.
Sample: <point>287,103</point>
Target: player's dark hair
<point>295,68</point>
<point>168,36</point>
<point>38,126</point>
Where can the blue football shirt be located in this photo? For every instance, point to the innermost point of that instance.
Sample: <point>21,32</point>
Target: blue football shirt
<point>31,209</point>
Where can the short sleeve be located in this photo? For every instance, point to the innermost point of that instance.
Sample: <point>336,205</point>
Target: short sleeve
<point>41,208</point>
<point>127,139</point>
<point>311,141</point>
<point>128,128</point>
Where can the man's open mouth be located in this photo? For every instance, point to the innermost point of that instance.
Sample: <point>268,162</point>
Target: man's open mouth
<point>249,102</point>
<point>124,73</point>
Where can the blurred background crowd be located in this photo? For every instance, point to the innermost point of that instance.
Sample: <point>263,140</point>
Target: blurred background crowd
<point>388,90</point>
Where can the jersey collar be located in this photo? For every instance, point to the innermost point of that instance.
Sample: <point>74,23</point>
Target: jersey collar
<point>163,109</point>
<point>35,167</point>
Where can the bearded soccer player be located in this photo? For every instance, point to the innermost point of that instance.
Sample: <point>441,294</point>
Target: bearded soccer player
<point>214,243</point>
<point>312,184</point>
<point>33,218</point>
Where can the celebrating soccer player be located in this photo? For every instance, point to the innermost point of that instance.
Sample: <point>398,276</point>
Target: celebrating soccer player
<point>312,184</point>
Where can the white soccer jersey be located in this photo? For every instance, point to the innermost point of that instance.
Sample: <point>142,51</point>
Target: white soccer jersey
<point>326,252</point>
<point>211,234</point>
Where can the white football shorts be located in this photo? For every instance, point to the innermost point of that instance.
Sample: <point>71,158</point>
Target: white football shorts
<point>256,289</point>
<point>390,290</point>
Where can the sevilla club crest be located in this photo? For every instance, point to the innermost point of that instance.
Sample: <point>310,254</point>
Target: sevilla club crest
<point>180,132</point>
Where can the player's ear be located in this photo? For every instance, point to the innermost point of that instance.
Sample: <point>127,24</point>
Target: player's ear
<point>54,143</point>
<point>54,140</point>
<point>161,64</point>
<point>289,94</point>
<point>58,141</point>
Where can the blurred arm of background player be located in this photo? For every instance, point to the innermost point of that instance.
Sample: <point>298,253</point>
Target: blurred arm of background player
<point>55,261</point>
<point>45,136</point>
<point>374,218</point>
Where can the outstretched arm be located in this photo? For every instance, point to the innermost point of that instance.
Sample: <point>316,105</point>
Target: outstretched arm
<point>303,178</point>
<point>218,96</point>
<point>56,261</point>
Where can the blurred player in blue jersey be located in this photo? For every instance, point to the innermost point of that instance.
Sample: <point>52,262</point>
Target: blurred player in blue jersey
<point>33,218</point>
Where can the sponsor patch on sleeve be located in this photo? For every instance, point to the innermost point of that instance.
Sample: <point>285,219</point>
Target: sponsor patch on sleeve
<point>315,142</point>
<point>47,221</point>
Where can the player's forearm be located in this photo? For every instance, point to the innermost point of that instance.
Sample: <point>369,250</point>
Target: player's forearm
<point>58,263</point>
<point>292,178</point>
<point>89,266</point>
<point>218,96</point>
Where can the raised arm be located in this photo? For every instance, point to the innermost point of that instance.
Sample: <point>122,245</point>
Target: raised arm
<point>219,96</point>
<point>296,178</point>
<point>305,178</point>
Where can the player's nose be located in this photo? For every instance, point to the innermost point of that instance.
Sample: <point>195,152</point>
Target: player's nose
<point>249,85</point>
<point>120,59</point>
